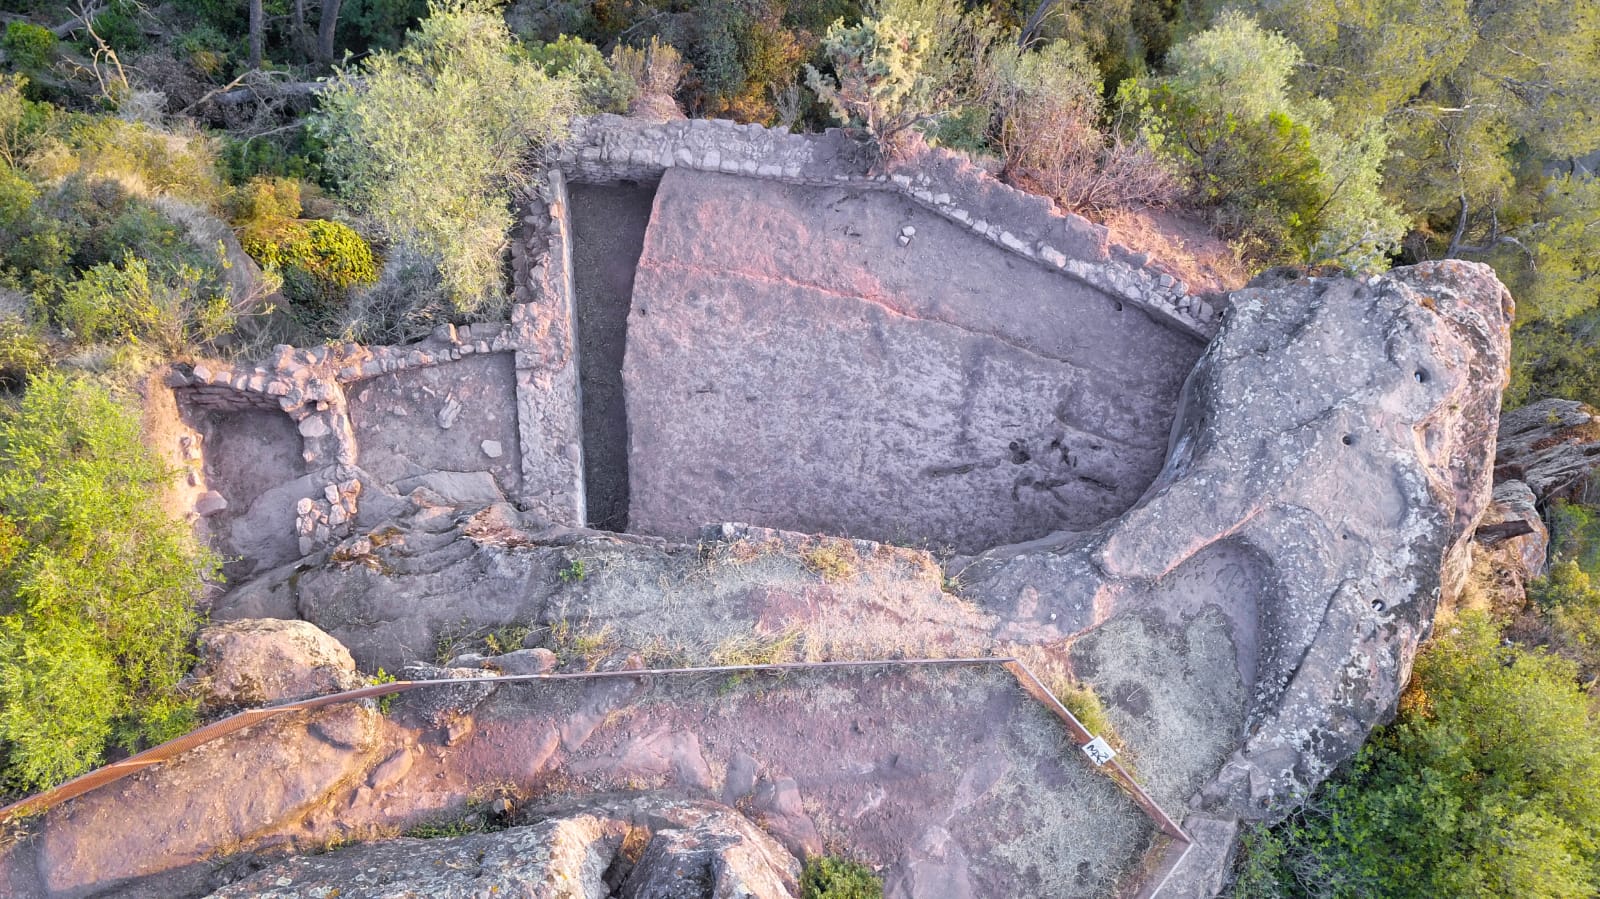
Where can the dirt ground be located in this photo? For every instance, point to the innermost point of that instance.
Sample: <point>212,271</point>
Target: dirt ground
<point>1181,245</point>
<point>400,421</point>
<point>608,223</point>
<point>247,453</point>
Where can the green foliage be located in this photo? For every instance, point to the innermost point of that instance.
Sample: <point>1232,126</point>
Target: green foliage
<point>507,638</point>
<point>320,261</point>
<point>457,98</point>
<point>118,25</point>
<point>145,161</point>
<point>1265,158</point>
<point>1570,604</point>
<point>383,677</point>
<point>97,585</point>
<point>601,88</point>
<point>909,65</point>
<point>23,352</point>
<point>879,83</point>
<point>1085,705</point>
<point>379,24</point>
<point>30,239</point>
<point>1487,785</point>
<point>1574,534</point>
<point>29,46</point>
<point>241,160</point>
<point>574,572</point>
<point>175,309</point>
<point>826,877</point>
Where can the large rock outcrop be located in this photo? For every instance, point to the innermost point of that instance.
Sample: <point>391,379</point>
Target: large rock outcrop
<point>1553,446</point>
<point>689,851</point>
<point>1257,613</point>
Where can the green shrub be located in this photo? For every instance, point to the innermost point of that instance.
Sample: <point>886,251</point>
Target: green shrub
<point>175,309</point>
<point>31,241</point>
<point>910,66</point>
<point>320,261</point>
<point>1488,784</point>
<point>97,585</point>
<point>147,161</point>
<point>601,87</point>
<point>29,46</point>
<point>1569,610</point>
<point>457,99</point>
<point>23,352</point>
<point>273,157</point>
<point>1276,169</point>
<point>118,25</point>
<point>835,878</point>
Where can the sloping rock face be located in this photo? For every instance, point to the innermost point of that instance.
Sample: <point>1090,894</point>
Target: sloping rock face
<point>1258,612</point>
<point>693,851</point>
<point>843,361</point>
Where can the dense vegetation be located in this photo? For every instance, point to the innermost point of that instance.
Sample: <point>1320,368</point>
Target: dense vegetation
<point>1487,785</point>
<point>97,585</point>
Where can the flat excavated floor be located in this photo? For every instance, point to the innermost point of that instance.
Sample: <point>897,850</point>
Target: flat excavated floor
<point>791,364</point>
<point>455,417</point>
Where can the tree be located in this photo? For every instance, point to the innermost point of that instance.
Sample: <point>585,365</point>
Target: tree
<point>908,65</point>
<point>1465,86</point>
<point>428,140</point>
<point>1488,785</point>
<point>1050,135</point>
<point>97,585</point>
<point>327,28</point>
<point>1263,155</point>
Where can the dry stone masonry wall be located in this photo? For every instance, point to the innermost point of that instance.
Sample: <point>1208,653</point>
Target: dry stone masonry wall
<point>609,148</point>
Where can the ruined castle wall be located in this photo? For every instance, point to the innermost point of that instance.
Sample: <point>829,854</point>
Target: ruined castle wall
<point>611,148</point>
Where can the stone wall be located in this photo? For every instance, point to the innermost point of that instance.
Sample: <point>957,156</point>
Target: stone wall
<point>548,399</point>
<point>610,148</point>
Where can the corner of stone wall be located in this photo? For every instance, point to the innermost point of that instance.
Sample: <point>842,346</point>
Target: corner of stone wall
<point>609,148</point>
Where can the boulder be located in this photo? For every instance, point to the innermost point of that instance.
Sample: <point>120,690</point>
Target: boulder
<point>1513,530</point>
<point>1257,613</point>
<point>693,851</point>
<point>1553,446</point>
<point>261,661</point>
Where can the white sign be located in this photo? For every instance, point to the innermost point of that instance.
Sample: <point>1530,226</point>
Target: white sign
<point>1099,751</point>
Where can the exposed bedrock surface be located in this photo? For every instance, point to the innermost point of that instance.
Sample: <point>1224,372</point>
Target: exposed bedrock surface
<point>952,782</point>
<point>1257,613</point>
<point>841,360</point>
<point>1248,621</point>
<point>686,850</point>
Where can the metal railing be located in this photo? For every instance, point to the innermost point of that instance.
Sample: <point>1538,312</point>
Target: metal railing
<point>1024,676</point>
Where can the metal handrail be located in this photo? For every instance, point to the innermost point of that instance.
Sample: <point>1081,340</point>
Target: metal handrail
<point>1025,677</point>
